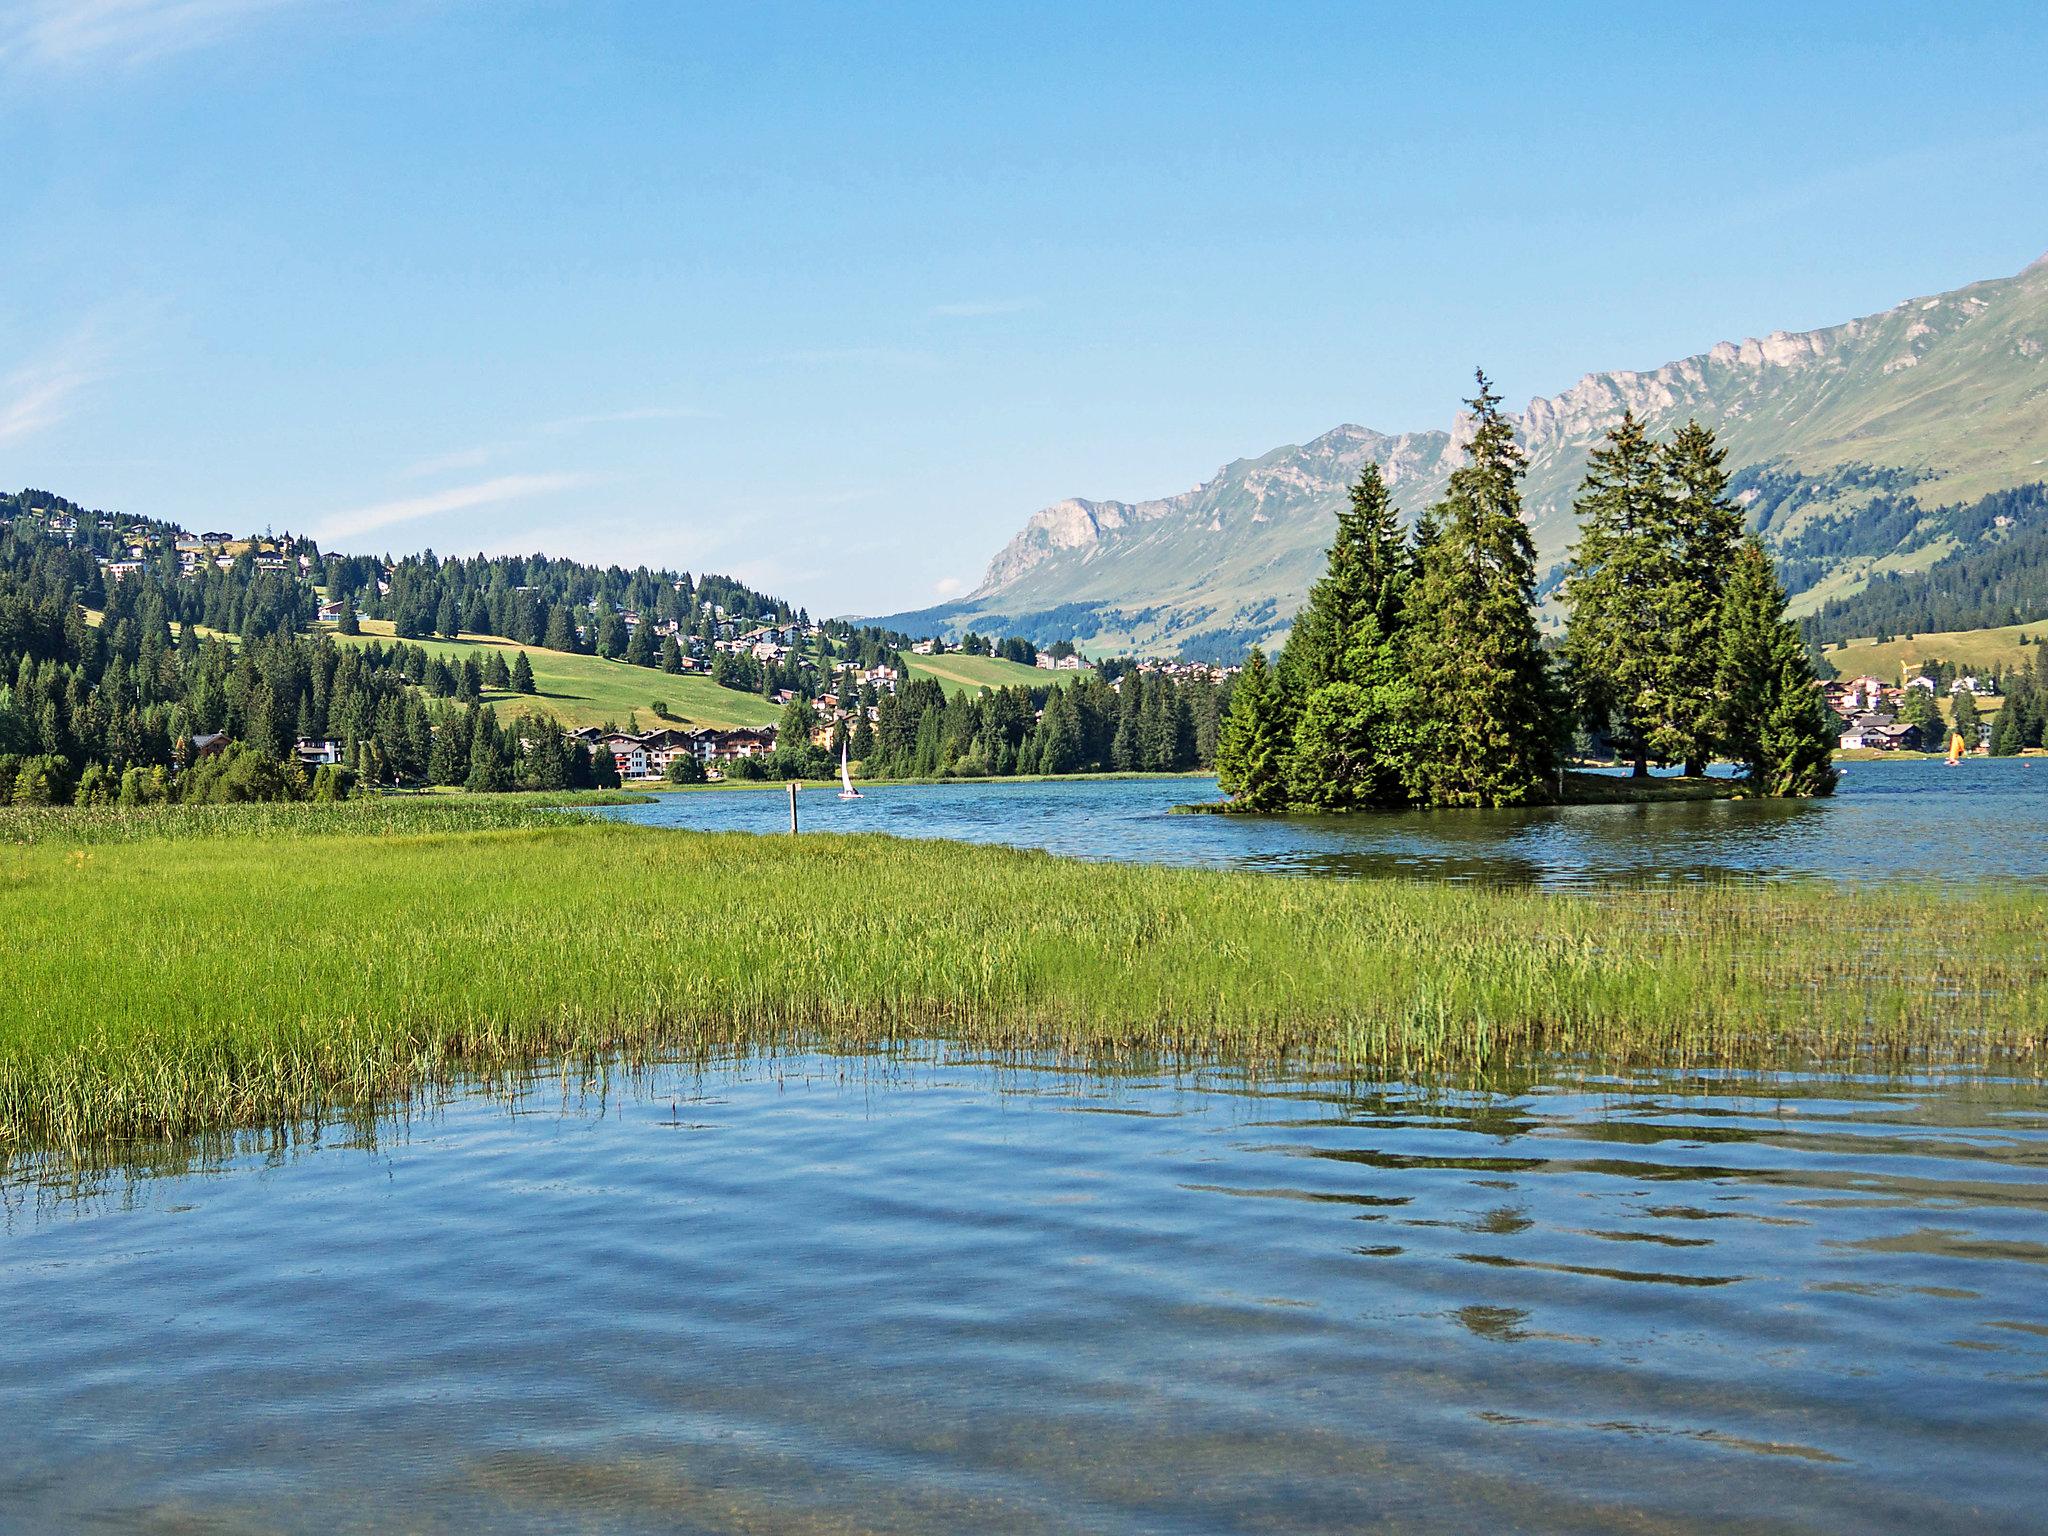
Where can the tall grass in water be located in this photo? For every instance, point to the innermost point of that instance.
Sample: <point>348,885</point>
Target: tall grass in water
<point>374,816</point>
<point>166,986</point>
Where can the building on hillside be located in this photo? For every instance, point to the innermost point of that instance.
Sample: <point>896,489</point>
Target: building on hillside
<point>317,754</point>
<point>206,744</point>
<point>663,747</point>
<point>628,754</point>
<point>715,746</point>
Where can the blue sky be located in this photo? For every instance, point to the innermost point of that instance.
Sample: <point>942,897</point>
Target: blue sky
<point>833,297</point>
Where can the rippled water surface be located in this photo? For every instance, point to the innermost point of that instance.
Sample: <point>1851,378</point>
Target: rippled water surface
<point>847,1295</point>
<point>1985,817</point>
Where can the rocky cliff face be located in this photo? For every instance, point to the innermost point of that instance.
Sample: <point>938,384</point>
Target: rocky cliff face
<point>1240,498</point>
<point>1950,391</point>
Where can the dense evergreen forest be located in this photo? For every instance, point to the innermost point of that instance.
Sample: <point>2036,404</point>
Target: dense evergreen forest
<point>1998,576</point>
<point>1114,721</point>
<point>1415,676</point>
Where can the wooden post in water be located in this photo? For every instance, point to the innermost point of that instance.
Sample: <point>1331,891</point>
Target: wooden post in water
<point>792,807</point>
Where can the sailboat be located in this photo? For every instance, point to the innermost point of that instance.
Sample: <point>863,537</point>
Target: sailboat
<point>847,791</point>
<point>1955,748</point>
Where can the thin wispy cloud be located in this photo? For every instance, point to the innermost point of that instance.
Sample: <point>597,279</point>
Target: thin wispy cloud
<point>978,309</point>
<point>948,586</point>
<point>461,498</point>
<point>41,393</point>
<point>632,414</point>
<point>70,34</point>
<point>443,463</point>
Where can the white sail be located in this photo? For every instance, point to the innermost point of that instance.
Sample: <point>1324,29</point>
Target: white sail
<point>847,792</point>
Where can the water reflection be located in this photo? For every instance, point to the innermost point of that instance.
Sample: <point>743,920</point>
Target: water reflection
<point>939,1293</point>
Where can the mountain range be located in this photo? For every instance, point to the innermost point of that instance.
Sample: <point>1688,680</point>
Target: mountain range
<point>1853,448</point>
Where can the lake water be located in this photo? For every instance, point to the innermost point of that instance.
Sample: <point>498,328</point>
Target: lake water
<point>827,1295</point>
<point>1987,817</point>
<point>937,1293</point>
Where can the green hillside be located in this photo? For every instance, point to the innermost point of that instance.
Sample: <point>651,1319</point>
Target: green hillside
<point>588,690</point>
<point>969,674</point>
<point>1976,650</point>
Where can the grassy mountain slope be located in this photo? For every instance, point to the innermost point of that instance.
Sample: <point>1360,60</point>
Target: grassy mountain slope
<point>1976,650</point>
<point>971,674</point>
<point>588,690</point>
<point>1934,402</point>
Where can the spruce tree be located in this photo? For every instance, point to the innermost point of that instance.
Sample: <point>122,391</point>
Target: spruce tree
<point>1624,570</point>
<point>1251,744</point>
<point>1487,728</point>
<point>640,650</point>
<point>522,674</point>
<point>1772,717</point>
<point>1366,575</point>
<point>561,635</point>
<point>1709,530</point>
<point>448,621</point>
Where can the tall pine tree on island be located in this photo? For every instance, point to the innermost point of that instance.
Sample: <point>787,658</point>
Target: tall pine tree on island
<point>1348,700</point>
<point>1366,576</point>
<point>1774,720</point>
<point>1488,727</point>
<point>1709,528</point>
<point>1624,571</point>
<point>1251,743</point>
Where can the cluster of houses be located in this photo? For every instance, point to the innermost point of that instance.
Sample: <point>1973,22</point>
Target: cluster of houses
<point>193,551</point>
<point>648,754</point>
<point>1868,708</point>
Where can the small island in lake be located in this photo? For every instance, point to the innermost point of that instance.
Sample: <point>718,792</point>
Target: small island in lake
<point>1416,676</point>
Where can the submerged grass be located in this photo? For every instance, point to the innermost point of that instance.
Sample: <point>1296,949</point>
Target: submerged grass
<point>170,985</point>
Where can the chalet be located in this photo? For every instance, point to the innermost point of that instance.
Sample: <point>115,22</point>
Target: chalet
<point>317,754</point>
<point>1881,732</point>
<point>206,744</point>
<point>1868,693</point>
<point>331,613</point>
<point>726,746</point>
<point>664,747</point>
<point>119,569</point>
<point>628,753</point>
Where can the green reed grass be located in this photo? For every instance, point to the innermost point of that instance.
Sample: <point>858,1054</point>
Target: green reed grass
<point>165,986</point>
<point>373,816</point>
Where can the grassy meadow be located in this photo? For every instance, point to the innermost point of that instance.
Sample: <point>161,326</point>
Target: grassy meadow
<point>178,979</point>
<point>588,690</point>
<point>1977,649</point>
<point>971,674</point>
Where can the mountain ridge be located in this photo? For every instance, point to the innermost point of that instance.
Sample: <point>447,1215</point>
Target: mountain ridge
<point>1944,393</point>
